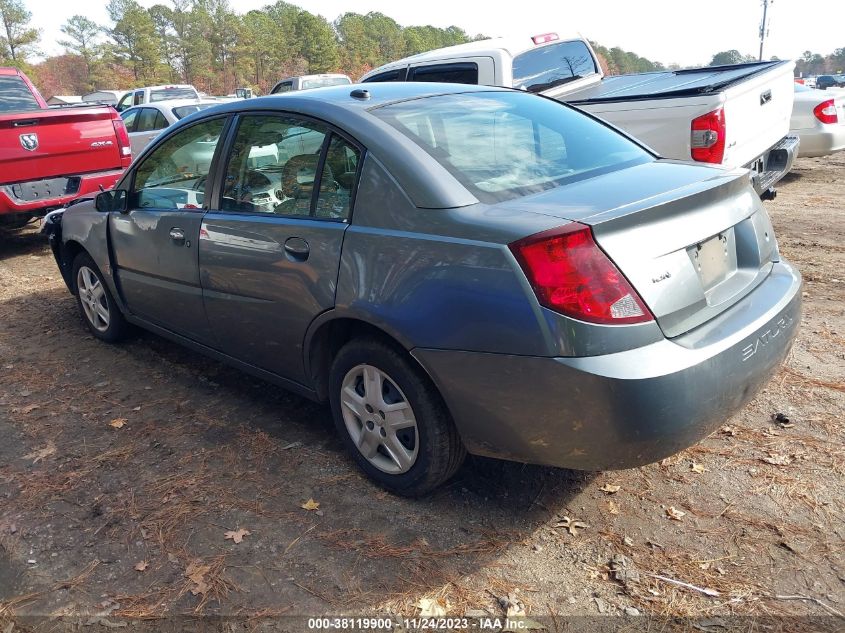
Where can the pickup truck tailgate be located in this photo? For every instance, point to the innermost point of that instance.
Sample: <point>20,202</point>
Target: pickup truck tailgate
<point>42,144</point>
<point>757,113</point>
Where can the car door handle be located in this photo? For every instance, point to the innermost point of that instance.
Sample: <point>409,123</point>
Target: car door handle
<point>177,235</point>
<point>297,249</point>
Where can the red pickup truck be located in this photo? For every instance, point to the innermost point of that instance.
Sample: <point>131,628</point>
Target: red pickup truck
<point>49,156</point>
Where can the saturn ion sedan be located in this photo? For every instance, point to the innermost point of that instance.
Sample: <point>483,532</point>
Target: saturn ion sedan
<point>453,268</point>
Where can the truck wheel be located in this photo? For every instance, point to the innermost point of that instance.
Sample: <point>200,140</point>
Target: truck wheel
<point>392,419</point>
<point>99,312</point>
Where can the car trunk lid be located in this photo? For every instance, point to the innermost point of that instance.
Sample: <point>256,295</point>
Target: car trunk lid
<point>691,240</point>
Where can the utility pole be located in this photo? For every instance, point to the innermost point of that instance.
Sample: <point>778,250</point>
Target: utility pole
<point>764,27</point>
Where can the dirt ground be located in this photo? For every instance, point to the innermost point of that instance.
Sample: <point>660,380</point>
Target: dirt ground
<point>123,468</point>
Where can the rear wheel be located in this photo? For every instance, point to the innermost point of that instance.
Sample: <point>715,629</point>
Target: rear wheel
<point>392,419</point>
<point>99,312</point>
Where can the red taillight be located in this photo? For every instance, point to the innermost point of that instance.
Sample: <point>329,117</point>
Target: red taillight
<point>122,138</point>
<point>707,138</point>
<point>545,37</point>
<point>826,112</point>
<point>571,275</point>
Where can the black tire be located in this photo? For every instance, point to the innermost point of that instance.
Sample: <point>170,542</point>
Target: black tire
<point>117,325</point>
<point>440,451</point>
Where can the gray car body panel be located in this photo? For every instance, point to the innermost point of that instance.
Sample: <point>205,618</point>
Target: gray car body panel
<point>619,410</point>
<point>430,266</point>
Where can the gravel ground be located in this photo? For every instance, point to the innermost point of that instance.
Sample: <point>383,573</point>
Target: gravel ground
<point>123,469</point>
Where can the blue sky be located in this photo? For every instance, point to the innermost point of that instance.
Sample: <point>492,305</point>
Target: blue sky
<point>664,30</point>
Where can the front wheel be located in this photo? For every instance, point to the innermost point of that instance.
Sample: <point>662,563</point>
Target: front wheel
<point>392,418</point>
<point>99,312</point>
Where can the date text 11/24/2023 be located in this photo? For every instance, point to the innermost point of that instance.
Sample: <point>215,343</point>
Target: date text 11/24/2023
<point>419,624</point>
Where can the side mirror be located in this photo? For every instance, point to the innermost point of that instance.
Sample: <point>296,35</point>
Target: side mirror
<point>108,201</point>
<point>103,201</point>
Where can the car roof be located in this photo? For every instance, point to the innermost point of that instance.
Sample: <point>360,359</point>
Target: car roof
<point>174,103</point>
<point>427,183</point>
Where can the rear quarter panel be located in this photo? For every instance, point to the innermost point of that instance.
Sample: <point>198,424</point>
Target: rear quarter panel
<point>442,278</point>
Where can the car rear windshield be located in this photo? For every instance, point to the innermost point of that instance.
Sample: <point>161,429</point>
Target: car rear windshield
<point>548,66</point>
<point>503,145</point>
<point>15,95</point>
<point>181,112</point>
<point>165,94</point>
<point>322,82</point>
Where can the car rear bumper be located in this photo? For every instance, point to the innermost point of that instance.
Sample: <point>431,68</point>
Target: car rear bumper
<point>37,197</point>
<point>775,163</point>
<point>625,409</point>
<point>822,142</point>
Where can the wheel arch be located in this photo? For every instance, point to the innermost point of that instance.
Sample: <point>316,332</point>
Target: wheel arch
<point>331,330</point>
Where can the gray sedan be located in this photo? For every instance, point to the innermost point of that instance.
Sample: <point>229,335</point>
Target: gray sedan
<point>454,269</point>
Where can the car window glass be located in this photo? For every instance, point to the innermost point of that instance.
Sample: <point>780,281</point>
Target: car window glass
<point>390,75</point>
<point>15,95</point>
<point>334,199</point>
<point>283,87</point>
<point>552,65</point>
<point>146,120</point>
<point>160,121</point>
<point>322,82</point>
<point>502,145</point>
<point>461,73</point>
<point>125,102</point>
<point>130,118</point>
<point>174,175</point>
<point>139,97</point>
<point>273,166</point>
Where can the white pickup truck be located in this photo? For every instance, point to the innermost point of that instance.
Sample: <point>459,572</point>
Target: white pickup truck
<point>737,116</point>
<point>151,94</point>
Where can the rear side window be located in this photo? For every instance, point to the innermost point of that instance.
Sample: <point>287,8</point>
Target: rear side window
<point>15,95</point>
<point>502,145</point>
<point>461,73</point>
<point>285,86</point>
<point>150,120</point>
<point>322,82</point>
<point>165,94</point>
<point>390,75</point>
<point>548,66</point>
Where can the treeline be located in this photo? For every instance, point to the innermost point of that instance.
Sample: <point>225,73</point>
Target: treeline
<point>207,44</point>
<point>814,64</point>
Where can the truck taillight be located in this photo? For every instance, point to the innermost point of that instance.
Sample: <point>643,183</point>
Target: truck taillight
<point>122,138</point>
<point>570,274</point>
<point>545,37</point>
<point>707,137</point>
<point>826,112</point>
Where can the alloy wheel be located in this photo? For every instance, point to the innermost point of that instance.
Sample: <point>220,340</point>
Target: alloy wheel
<point>379,419</point>
<point>92,297</point>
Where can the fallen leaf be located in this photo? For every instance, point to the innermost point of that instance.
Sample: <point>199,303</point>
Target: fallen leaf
<point>612,507</point>
<point>196,574</point>
<point>136,408</point>
<point>118,423</point>
<point>237,535</point>
<point>29,408</point>
<point>142,566</point>
<point>40,454</point>
<point>729,430</point>
<point>571,525</point>
<point>697,468</point>
<point>675,514</point>
<point>777,459</point>
<point>310,505</point>
<point>431,608</point>
<point>610,488</point>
